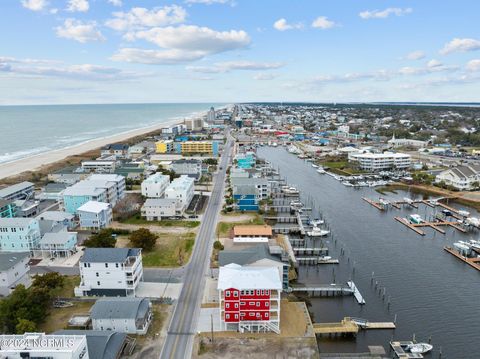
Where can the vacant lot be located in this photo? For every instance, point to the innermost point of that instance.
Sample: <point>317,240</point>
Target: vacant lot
<point>224,227</point>
<point>165,223</point>
<point>171,249</point>
<point>58,318</point>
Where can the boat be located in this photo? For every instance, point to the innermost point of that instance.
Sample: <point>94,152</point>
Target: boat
<point>314,165</point>
<point>463,213</point>
<point>407,200</point>
<point>419,348</point>
<point>317,222</point>
<point>415,219</point>
<point>317,232</point>
<point>321,171</point>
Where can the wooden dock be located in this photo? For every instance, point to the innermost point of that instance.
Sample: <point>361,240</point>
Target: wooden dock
<point>398,348</point>
<point>435,225</point>
<point>345,327</point>
<point>473,262</point>
<point>356,293</point>
<point>316,260</point>
<point>310,251</point>
<point>375,204</point>
<point>366,324</point>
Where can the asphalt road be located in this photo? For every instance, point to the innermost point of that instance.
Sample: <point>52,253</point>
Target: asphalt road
<point>181,331</point>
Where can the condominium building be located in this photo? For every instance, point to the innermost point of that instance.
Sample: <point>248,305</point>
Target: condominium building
<point>23,190</point>
<point>156,209</point>
<point>380,161</point>
<point>191,168</point>
<point>155,185</point>
<point>207,147</point>
<point>249,298</point>
<point>19,234</point>
<point>8,209</point>
<point>108,188</point>
<point>182,190</point>
<point>100,166</point>
<point>110,272</point>
<point>164,146</point>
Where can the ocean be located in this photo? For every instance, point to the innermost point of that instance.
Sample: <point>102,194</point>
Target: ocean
<point>31,130</point>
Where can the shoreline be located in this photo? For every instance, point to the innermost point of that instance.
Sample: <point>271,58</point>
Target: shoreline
<point>38,161</point>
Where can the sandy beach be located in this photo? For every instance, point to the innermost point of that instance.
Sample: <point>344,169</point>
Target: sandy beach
<point>34,162</point>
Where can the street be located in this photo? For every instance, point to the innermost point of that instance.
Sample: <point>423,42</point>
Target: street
<point>181,331</point>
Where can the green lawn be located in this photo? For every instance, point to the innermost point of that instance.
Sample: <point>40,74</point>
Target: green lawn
<point>164,223</point>
<point>223,228</point>
<point>71,281</point>
<point>58,318</point>
<point>171,250</point>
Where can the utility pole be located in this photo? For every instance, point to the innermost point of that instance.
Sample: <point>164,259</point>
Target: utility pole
<point>211,321</point>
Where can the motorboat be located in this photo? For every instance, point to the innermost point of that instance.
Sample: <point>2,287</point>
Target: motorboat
<point>419,348</point>
<point>415,219</point>
<point>463,213</point>
<point>317,232</point>
<point>408,200</point>
<point>317,222</point>
<point>321,171</point>
<point>314,165</point>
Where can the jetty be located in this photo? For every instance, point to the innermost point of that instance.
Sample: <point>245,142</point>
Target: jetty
<point>473,262</point>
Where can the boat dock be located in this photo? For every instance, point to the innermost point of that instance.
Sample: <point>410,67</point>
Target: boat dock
<point>316,260</point>
<point>328,290</point>
<point>350,326</point>
<point>435,225</point>
<point>474,262</point>
<point>401,353</point>
<point>375,204</point>
<point>397,204</point>
<point>454,211</point>
<point>299,251</point>
<point>356,292</point>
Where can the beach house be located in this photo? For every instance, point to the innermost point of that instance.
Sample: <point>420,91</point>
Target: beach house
<point>14,270</point>
<point>191,168</point>
<point>155,185</point>
<point>23,190</point>
<point>182,190</point>
<point>156,209</point>
<point>110,272</point>
<point>19,234</point>
<point>95,215</point>
<point>125,315</point>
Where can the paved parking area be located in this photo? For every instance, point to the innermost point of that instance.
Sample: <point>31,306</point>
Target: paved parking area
<point>158,290</point>
<point>205,320</point>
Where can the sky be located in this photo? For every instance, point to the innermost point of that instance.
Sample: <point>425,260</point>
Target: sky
<point>132,51</point>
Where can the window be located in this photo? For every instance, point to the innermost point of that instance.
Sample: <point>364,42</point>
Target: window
<point>236,305</point>
<point>263,292</point>
<point>227,305</point>
<point>227,316</point>
<point>235,294</point>
<point>251,303</point>
<point>258,292</point>
<point>98,282</point>
<point>116,265</point>
<point>106,265</point>
<point>267,304</point>
<point>258,304</point>
<point>96,274</point>
<point>251,314</point>
<point>266,315</point>
<point>227,293</point>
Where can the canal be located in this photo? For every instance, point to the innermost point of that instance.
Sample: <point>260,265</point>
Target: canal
<point>431,293</point>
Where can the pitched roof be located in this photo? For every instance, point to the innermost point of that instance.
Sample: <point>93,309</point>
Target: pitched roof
<point>246,256</point>
<point>238,277</point>
<point>101,344</point>
<point>108,255</point>
<point>120,308</point>
<point>9,259</point>
<point>252,230</point>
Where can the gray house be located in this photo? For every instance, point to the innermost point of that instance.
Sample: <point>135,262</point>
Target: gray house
<point>256,256</point>
<point>125,315</point>
<point>101,344</point>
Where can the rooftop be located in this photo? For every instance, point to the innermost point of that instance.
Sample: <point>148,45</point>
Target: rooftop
<point>9,259</point>
<point>93,206</point>
<point>120,308</point>
<point>241,278</point>
<point>252,230</point>
<point>7,191</point>
<point>109,255</point>
<point>101,344</point>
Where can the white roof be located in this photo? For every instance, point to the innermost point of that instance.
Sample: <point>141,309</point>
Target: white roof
<point>241,278</point>
<point>105,177</point>
<point>93,206</point>
<point>381,155</point>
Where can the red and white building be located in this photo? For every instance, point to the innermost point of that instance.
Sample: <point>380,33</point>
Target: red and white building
<point>250,298</point>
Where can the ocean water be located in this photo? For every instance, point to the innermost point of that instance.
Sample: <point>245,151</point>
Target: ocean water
<point>30,130</point>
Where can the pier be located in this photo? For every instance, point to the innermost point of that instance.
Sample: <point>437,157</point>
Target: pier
<point>473,262</point>
<point>316,260</point>
<point>299,251</point>
<point>328,290</point>
<point>350,326</point>
<point>435,225</point>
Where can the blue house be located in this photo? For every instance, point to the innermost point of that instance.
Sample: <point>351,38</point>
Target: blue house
<point>19,234</point>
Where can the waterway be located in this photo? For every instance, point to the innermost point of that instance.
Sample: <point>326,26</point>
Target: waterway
<point>431,293</point>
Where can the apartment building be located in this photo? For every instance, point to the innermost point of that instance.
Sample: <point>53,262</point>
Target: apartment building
<point>374,162</point>
<point>21,190</point>
<point>8,209</point>
<point>14,270</point>
<point>156,209</point>
<point>207,147</point>
<point>249,298</point>
<point>191,168</point>
<point>95,215</point>
<point>110,272</point>
<point>164,146</point>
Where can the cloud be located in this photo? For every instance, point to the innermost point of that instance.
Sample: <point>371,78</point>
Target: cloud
<point>282,25</point>
<point>139,17</point>
<point>415,55</point>
<point>209,2</point>
<point>235,65</point>
<point>78,5</point>
<point>264,76</point>
<point>33,67</point>
<point>460,45</point>
<point>35,5</point>
<point>116,2</point>
<point>79,31</point>
<point>431,67</point>
<point>434,64</point>
<point>382,14</point>
<point>322,22</point>
<point>473,65</point>
<point>182,44</point>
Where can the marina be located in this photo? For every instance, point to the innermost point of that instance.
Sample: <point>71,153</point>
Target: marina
<point>379,256</point>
